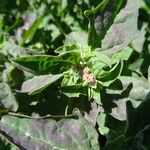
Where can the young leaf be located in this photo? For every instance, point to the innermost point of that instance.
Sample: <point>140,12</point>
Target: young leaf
<point>122,55</point>
<point>99,61</point>
<point>108,77</point>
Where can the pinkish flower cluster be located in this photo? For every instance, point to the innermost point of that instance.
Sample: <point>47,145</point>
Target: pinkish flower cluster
<point>88,76</point>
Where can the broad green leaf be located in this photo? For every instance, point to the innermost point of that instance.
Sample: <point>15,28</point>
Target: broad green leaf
<point>72,84</point>
<point>92,115</point>
<point>7,96</point>
<point>119,110</point>
<point>13,50</point>
<point>28,35</point>
<point>115,103</point>
<point>103,129</point>
<point>117,36</point>
<point>138,43</point>
<point>43,64</point>
<point>110,23</point>
<point>95,24</point>
<point>66,48</point>
<point>77,38</point>
<point>97,63</point>
<point>38,83</point>
<point>138,87</point>
<point>49,134</point>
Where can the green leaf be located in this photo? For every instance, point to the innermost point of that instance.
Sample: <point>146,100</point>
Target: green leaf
<point>38,83</point>
<point>49,134</point>
<point>95,24</point>
<point>7,96</point>
<point>94,92</point>
<point>71,77</point>
<point>138,87</point>
<point>66,48</point>
<point>72,85</point>
<point>77,38</point>
<point>43,64</point>
<point>110,23</point>
<point>92,115</point>
<point>120,111</point>
<point>141,64</point>
<point>122,55</point>
<point>138,43</point>
<point>98,61</point>
<point>14,50</point>
<point>117,36</point>
<point>28,35</point>
<point>108,77</point>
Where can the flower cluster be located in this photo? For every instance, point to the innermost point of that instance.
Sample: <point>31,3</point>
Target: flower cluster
<point>88,76</point>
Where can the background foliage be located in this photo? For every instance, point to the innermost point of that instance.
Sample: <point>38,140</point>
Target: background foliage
<point>75,74</point>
